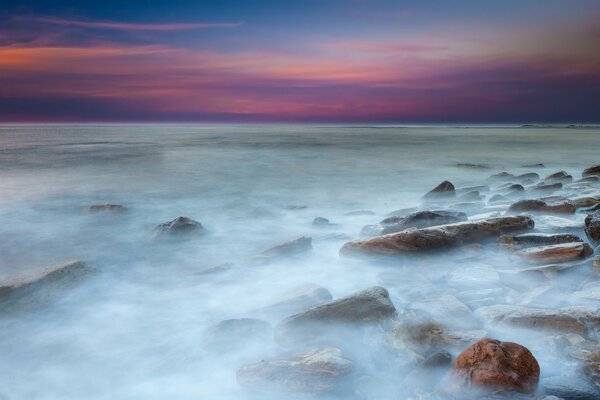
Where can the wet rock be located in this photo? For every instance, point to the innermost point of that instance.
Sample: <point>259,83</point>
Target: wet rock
<point>179,226</point>
<point>542,207</point>
<point>559,176</point>
<point>555,253</point>
<point>592,227</point>
<point>581,202</point>
<point>569,388</point>
<point>591,171</point>
<point>369,305</point>
<point>419,219</point>
<point>296,300</point>
<point>40,286</point>
<point>444,189</point>
<point>537,239</point>
<point>95,208</point>
<point>435,238</point>
<point>589,179</point>
<point>320,221</point>
<point>546,187</point>
<point>550,271</point>
<point>448,308</point>
<point>284,250</point>
<point>315,371</point>
<point>531,176</point>
<point>550,223</point>
<point>232,334</point>
<point>490,365</point>
<point>539,165</point>
<point>530,317</point>
<point>501,176</point>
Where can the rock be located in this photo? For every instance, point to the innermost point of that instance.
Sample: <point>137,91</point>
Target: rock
<point>550,271</point>
<point>531,176</point>
<point>541,206</point>
<point>581,202</point>
<point>555,253</point>
<point>233,334</point>
<point>94,208</point>
<point>284,250</point>
<point>591,171</point>
<point>537,239</point>
<point>179,226</point>
<point>40,286</point>
<point>444,189</point>
<point>569,388</point>
<point>315,371</point>
<point>478,188</point>
<point>497,198</point>
<point>419,219</point>
<point>435,238</point>
<point>472,166</point>
<point>530,317</point>
<point>216,269</point>
<point>592,227</point>
<point>490,365</point>
<point>471,196</point>
<point>514,188</point>
<point>446,307</point>
<point>320,221</point>
<point>546,187</point>
<point>369,305</point>
<point>296,300</point>
<point>501,176</point>
<point>538,165</point>
<point>559,176</point>
<point>558,224</point>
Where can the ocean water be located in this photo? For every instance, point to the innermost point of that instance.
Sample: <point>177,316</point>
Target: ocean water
<point>134,328</point>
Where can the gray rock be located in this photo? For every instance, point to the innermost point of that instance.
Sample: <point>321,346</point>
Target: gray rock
<point>95,208</point>
<point>288,249</point>
<point>418,219</point>
<point>536,318</point>
<point>315,371</point>
<point>547,187</point>
<point>327,320</point>
<point>569,388</point>
<point>320,221</point>
<point>447,308</point>
<point>296,300</point>
<point>592,227</point>
<point>444,189</point>
<point>178,227</point>
<point>559,176</point>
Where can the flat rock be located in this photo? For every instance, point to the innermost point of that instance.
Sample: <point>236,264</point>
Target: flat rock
<point>537,239</point>
<point>296,300</point>
<point>369,305</point>
<point>178,227</point>
<point>542,207</point>
<point>314,371</point>
<point>547,187</point>
<point>490,365</point>
<point>288,249</point>
<point>555,253</point>
<point>95,208</point>
<point>418,219</point>
<point>530,317</point>
<point>40,285</point>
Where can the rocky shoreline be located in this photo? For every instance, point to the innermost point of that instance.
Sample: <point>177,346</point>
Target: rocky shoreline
<point>535,230</point>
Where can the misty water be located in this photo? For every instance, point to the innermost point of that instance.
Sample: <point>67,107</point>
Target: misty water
<point>135,326</point>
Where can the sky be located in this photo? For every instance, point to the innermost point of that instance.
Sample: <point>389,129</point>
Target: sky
<point>347,61</point>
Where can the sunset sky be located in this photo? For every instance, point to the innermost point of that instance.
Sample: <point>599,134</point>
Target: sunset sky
<point>416,61</point>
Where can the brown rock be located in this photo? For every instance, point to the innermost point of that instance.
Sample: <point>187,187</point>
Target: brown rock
<point>444,189</point>
<point>542,206</point>
<point>555,253</point>
<point>314,371</point>
<point>530,317</point>
<point>591,171</point>
<point>592,226</point>
<point>490,365</point>
<point>559,176</point>
<point>434,238</point>
<point>546,187</point>
<point>537,239</point>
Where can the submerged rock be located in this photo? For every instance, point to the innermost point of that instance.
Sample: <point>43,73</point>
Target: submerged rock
<point>39,286</point>
<point>179,226</point>
<point>231,334</point>
<point>592,227</point>
<point>320,221</point>
<point>530,317</point>
<point>570,388</point>
<point>287,249</point>
<point>419,219</point>
<point>296,300</point>
<point>542,206</point>
<point>555,253</point>
<point>530,176</point>
<point>444,189</point>
<point>94,208</point>
<point>368,305</point>
<point>490,365</point>
<point>546,187</point>
<point>503,176</point>
<point>591,171</point>
<point>315,371</point>
<point>446,307</point>
<point>559,176</point>
<point>434,238</point>
<point>537,239</point>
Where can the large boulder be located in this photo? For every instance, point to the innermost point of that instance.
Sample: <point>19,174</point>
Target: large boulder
<point>436,238</point>
<point>285,250</point>
<point>326,321</point>
<point>592,227</point>
<point>533,318</point>
<point>555,253</point>
<point>40,286</point>
<point>420,219</point>
<point>591,171</point>
<point>542,206</point>
<point>178,227</point>
<point>315,371</point>
<point>444,189</point>
<point>490,365</point>
<point>537,239</point>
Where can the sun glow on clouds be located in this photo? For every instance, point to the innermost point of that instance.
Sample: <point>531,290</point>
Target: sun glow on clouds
<point>430,77</point>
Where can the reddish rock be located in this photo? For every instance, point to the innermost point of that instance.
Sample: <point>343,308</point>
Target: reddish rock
<point>542,206</point>
<point>492,365</point>
<point>556,253</point>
